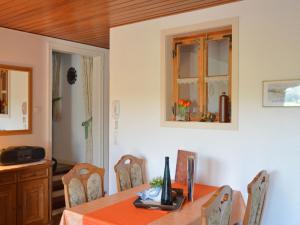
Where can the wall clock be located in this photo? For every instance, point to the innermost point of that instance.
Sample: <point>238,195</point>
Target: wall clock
<point>71,75</point>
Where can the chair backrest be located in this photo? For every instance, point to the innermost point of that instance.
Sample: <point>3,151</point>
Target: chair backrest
<point>217,210</point>
<point>84,182</point>
<point>181,165</point>
<point>130,172</point>
<point>256,197</point>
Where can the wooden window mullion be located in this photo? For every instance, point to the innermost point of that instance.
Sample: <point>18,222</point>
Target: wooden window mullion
<point>175,72</point>
<point>201,72</point>
<point>205,68</point>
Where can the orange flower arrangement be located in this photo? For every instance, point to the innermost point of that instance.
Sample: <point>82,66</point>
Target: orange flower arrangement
<point>183,106</point>
<point>184,103</point>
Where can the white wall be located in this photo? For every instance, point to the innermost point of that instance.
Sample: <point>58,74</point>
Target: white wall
<point>21,49</point>
<point>68,134</point>
<point>267,138</point>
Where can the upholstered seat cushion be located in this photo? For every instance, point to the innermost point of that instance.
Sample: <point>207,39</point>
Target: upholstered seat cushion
<point>76,192</point>
<point>94,187</point>
<point>136,175</point>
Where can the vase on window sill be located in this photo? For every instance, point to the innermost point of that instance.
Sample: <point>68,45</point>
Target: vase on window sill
<point>180,118</point>
<point>183,110</point>
<point>183,116</point>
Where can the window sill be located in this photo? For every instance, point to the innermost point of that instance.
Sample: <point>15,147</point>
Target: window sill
<point>199,125</point>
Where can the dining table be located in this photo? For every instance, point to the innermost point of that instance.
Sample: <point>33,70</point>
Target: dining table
<point>118,209</point>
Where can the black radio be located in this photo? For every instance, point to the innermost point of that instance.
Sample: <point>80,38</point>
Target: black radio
<point>21,154</point>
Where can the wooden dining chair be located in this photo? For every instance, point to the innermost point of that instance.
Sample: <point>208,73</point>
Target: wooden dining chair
<point>217,210</point>
<point>181,165</point>
<point>256,197</point>
<point>83,183</point>
<point>130,172</point>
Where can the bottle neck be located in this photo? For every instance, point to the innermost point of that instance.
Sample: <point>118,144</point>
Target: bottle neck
<point>167,161</point>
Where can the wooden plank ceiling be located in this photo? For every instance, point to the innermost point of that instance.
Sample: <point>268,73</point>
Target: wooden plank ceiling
<point>88,21</point>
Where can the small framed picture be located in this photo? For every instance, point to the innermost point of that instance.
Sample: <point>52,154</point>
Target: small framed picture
<point>282,93</point>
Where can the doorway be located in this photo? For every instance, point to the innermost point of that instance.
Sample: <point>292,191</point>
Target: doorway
<point>71,126</point>
<point>68,114</point>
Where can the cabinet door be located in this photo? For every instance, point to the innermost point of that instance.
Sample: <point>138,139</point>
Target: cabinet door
<point>8,204</point>
<point>33,202</point>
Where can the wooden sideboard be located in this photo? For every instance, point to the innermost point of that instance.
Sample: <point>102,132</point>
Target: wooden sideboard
<point>25,194</point>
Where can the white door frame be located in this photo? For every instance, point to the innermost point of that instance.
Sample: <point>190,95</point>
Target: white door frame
<point>81,49</point>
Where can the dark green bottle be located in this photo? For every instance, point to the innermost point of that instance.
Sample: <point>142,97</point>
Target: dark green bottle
<point>166,195</point>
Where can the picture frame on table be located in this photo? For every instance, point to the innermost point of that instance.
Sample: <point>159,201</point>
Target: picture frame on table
<point>281,93</point>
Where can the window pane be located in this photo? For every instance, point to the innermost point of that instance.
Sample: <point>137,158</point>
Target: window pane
<point>215,90</point>
<point>188,62</point>
<point>218,53</point>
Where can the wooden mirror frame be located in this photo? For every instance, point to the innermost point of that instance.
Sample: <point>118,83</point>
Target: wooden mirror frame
<point>29,70</point>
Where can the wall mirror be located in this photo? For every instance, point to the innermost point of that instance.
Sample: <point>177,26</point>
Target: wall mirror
<point>15,100</point>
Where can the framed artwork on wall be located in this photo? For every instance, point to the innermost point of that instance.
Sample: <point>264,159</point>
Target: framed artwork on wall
<point>281,93</point>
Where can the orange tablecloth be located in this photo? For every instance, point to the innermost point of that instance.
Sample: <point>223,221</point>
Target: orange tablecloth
<point>125,213</point>
<point>190,214</point>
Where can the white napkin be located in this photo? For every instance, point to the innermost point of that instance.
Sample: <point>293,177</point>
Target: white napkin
<point>153,194</point>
